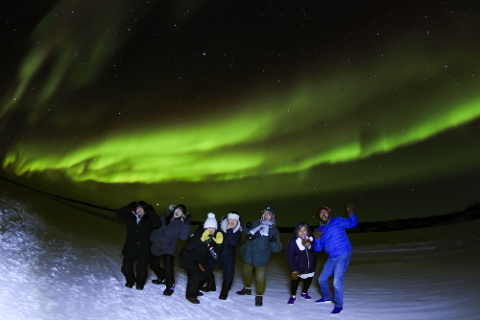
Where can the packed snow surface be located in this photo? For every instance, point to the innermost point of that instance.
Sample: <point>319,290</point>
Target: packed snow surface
<point>58,261</point>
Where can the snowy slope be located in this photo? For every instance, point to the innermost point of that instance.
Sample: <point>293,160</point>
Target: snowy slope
<point>60,262</point>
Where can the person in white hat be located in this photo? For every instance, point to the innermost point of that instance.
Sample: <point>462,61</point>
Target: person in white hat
<point>204,242</point>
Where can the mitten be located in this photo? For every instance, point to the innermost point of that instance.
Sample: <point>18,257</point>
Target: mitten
<point>205,235</point>
<point>253,236</point>
<point>133,205</point>
<point>295,275</point>
<point>218,238</point>
<point>306,243</point>
<point>317,234</point>
<point>272,238</point>
<point>186,220</point>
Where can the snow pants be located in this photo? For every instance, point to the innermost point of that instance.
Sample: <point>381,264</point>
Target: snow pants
<point>167,272</point>
<point>260,277</point>
<point>195,275</point>
<point>141,271</point>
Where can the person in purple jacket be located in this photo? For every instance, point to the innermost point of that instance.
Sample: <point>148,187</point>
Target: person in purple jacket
<point>331,234</point>
<point>302,260</point>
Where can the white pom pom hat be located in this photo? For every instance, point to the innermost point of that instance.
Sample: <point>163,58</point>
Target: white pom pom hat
<point>211,222</point>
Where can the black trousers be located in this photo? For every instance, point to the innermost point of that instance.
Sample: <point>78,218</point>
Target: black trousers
<point>195,275</point>
<point>306,284</point>
<point>227,263</point>
<point>141,270</point>
<point>167,272</point>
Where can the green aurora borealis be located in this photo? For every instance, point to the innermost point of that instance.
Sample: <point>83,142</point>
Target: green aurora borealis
<point>403,115</point>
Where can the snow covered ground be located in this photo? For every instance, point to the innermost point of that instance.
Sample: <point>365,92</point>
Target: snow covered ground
<point>63,262</point>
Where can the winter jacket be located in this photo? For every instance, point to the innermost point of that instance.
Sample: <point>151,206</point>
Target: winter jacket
<point>164,239</point>
<point>257,252</point>
<point>300,258</point>
<point>334,236</point>
<point>231,238</point>
<point>137,243</point>
<point>196,250</point>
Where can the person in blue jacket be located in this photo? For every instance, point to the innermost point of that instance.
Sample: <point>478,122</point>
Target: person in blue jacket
<point>332,236</point>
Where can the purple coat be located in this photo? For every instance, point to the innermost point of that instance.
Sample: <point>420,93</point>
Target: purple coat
<point>300,258</point>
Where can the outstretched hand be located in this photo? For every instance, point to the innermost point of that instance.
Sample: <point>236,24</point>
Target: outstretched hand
<point>317,234</point>
<point>349,209</point>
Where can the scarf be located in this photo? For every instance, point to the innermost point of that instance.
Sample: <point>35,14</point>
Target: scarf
<point>264,227</point>
<point>300,244</point>
<point>224,224</point>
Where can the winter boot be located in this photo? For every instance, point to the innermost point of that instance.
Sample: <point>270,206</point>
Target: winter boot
<point>158,281</point>
<point>210,285</point>
<point>169,290</point>
<point>245,292</point>
<point>193,300</point>
<point>258,301</point>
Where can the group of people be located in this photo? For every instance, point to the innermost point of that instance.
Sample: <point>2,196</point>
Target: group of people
<point>152,240</point>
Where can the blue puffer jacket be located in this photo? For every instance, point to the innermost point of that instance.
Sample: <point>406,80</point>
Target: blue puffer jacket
<point>334,237</point>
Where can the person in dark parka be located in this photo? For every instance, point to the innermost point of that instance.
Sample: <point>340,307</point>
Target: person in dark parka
<point>231,229</point>
<point>140,218</point>
<point>175,225</point>
<point>302,259</point>
<point>205,241</point>
<point>263,239</point>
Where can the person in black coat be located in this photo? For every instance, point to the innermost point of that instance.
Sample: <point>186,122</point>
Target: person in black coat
<point>140,218</point>
<point>175,225</point>
<point>231,229</point>
<point>204,242</point>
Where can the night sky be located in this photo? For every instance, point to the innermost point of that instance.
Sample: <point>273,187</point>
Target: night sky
<point>234,105</point>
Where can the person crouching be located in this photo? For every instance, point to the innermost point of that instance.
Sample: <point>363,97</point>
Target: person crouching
<point>205,241</point>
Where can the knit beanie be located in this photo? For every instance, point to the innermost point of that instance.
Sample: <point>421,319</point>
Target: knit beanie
<point>233,215</point>
<point>324,208</point>
<point>211,222</point>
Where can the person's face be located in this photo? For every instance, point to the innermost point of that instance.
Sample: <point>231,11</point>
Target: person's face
<point>212,230</point>
<point>302,233</point>
<point>140,211</point>
<point>177,213</point>
<point>267,216</point>
<point>232,222</point>
<point>324,215</point>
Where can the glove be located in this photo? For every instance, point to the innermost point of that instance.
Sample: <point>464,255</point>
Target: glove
<point>149,210</point>
<point>206,236</point>
<point>253,236</point>
<point>317,234</point>
<point>186,220</point>
<point>218,238</point>
<point>213,253</point>
<point>272,238</point>
<point>295,275</point>
<point>306,243</point>
<point>248,225</point>
<point>133,205</point>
